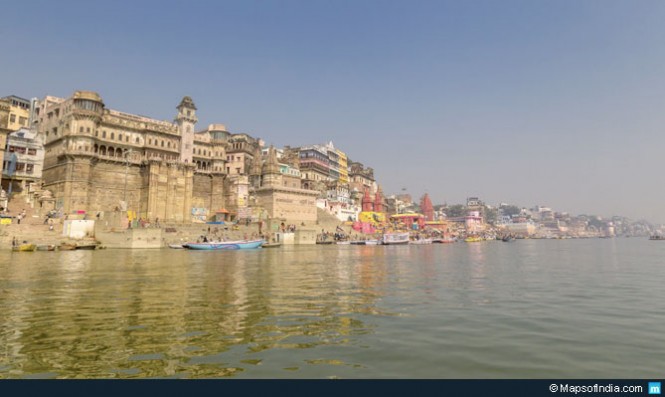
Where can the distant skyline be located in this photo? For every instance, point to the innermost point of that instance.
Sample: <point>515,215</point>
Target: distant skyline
<point>555,103</point>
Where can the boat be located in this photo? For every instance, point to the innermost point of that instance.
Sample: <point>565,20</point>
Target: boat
<point>395,238</point>
<point>86,246</point>
<point>507,239</point>
<point>372,242</point>
<point>78,246</point>
<point>443,240</point>
<point>656,237</point>
<point>473,239</point>
<point>66,247</point>
<point>176,246</point>
<point>24,248</point>
<point>421,241</point>
<point>225,245</point>
<point>358,242</point>
<point>324,242</point>
<point>343,242</point>
<point>47,247</point>
<point>271,245</point>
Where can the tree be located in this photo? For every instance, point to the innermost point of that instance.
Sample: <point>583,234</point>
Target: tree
<point>490,215</point>
<point>455,211</point>
<point>510,210</point>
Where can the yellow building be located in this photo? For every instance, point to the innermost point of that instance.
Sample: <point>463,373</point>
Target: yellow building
<point>19,112</point>
<point>343,167</point>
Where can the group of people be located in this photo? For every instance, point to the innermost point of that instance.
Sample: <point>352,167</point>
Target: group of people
<point>287,228</point>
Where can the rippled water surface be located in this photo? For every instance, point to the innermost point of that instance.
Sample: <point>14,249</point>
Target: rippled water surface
<point>531,308</point>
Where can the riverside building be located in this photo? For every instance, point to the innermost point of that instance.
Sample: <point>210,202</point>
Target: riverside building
<point>99,159</point>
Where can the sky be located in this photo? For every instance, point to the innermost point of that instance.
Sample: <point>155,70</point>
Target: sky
<point>558,103</point>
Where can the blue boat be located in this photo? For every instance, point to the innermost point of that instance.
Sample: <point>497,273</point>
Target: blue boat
<point>225,245</point>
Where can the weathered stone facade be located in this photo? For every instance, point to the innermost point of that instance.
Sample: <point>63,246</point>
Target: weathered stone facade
<point>99,159</point>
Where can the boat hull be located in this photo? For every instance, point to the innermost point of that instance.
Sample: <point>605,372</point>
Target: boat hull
<point>24,248</point>
<point>225,245</point>
<point>395,238</point>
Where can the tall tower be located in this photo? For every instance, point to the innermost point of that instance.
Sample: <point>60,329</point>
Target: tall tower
<point>427,208</point>
<point>378,200</point>
<point>271,176</point>
<point>367,204</point>
<point>186,119</point>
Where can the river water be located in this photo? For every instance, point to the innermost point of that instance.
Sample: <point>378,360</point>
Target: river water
<point>528,309</point>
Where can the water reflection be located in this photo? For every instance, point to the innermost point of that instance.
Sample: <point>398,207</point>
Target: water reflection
<point>525,309</point>
<point>189,314</point>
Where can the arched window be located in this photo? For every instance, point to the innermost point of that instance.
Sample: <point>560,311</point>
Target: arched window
<point>102,150</point>
<point>96,148</point>
<point>120,137</point>
<point>113,135</point>
<point>111,152</point>
<point>104,134</point>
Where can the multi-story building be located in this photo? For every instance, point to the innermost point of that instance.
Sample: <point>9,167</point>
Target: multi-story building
<point>19,112</point>
<point>361,177</point>
<point>23,160</point>
<point>314,166</point>
<point>99,159</point>
<point>343,167</point>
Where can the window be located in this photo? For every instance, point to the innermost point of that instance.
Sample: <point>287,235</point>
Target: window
<point>149,141</point>
<point>23,121</point>
<point>80,129</point>
<point>127,138</point>
<point>104,134</point>
<point>29,168</point>
<point>32,152</point>
<point>137,139</point>
<point>162,143</point>
<point>189,113</point>
<point>96,132</point>
<point>113,135</point>
<point>120,137</point>
<point>12,118</point>
<point>87,130</point>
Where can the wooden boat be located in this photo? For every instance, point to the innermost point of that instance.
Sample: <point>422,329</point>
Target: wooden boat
<point>357,242</point>
<point>49,247</point>
<point>656,237</point>
<point>343,242</point>
<point>325,242</point>
<point>373,242</point>
<point>473,239</point>
<point>395,238</point>
<point>507,239</point>
<point>271,245</point>
<point>225,245</point>
<point>78,246</point>
<point>86,246</point>
<point>24,248</point>
<point>443,240</point>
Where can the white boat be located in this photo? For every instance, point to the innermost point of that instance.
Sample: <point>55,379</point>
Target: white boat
<point>225,245</point>
<point>395,238</point>
<point>421,241</point>
<point>176,246</point>
<point>372,242</point>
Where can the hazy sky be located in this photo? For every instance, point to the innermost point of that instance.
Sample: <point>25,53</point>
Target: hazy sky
<point>558,103</point>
